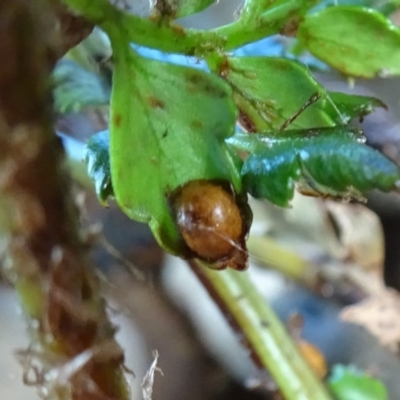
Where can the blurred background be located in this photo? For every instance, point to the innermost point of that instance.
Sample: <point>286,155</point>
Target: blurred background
<point>352,251</point>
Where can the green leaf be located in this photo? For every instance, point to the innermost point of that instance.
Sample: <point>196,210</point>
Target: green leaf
<point>98,164</point>
<point>180,8</point>
<point>352,106</point>
<point>168,126</point>
<point>76,88</point>
<point>325,162</point>
<point>357,41</point>
<point>269,90</point>
<point>348,383</point>
<point>386,7</point>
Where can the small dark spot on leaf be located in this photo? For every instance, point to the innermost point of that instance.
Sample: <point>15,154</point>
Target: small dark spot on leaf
<point>117,120</point>
<point>198,82</point>
<point>194,77</point>
<point>155,102</point>
<point>165,134</point>
<point>197,124</point>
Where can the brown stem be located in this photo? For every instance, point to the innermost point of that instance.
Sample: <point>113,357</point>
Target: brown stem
<point>45,255</point>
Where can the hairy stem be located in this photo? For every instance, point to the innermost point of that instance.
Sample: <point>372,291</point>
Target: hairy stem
<point>73,353</point>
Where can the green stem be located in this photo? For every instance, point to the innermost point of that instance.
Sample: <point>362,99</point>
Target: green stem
<point>275,350</point>
<point>258,19</point>
<point>288,263</point>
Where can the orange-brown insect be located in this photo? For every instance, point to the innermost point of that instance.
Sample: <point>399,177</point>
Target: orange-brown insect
<point>213,222</point>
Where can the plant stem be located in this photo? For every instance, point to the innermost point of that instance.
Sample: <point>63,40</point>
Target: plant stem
<point>274,349</point>
<point>288,263</point>
<point>257,20</point>
<point>44,251</point>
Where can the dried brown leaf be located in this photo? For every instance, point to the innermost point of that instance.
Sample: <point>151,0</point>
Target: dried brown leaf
<point>148,380</point>
<point>380,315</point>
<point>361,234</point>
